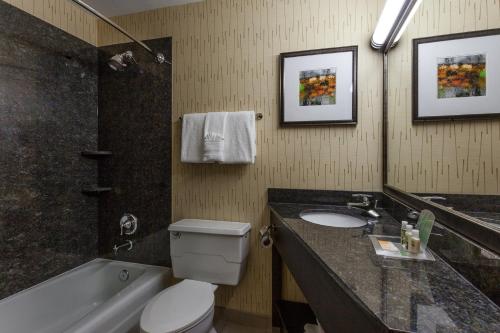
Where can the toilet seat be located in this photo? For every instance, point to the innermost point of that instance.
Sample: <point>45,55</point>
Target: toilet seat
<point>178,307</point>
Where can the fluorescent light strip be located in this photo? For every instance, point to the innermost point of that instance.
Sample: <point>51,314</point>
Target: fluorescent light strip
<point>408,19</point>
<point>389,18</point>
<point>386,21</point>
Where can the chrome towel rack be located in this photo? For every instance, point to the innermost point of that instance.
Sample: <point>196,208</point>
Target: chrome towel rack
<point>258,116</point>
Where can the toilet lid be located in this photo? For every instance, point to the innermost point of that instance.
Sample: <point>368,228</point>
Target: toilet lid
<point>178,307</point>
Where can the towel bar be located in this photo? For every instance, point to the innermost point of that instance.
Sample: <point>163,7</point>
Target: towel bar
<point>258,116</point>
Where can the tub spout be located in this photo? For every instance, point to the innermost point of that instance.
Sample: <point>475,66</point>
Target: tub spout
<point>129,243</point>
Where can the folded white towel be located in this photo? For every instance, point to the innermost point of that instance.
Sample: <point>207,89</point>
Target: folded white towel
<point>240,138</point>
<point>213,136</point>
<point>192,138</point>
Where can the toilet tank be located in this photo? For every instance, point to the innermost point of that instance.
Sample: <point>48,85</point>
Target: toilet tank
<point>210,251</point>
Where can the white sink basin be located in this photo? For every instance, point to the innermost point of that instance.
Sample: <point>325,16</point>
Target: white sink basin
<point>332,219</point>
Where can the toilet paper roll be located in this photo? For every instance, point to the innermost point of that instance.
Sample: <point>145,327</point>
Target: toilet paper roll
<point>266,241</point>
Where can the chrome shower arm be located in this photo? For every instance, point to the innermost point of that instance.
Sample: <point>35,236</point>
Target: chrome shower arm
<point>159,57</point>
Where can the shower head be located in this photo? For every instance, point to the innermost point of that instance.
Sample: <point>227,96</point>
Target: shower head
<point>119,62</point>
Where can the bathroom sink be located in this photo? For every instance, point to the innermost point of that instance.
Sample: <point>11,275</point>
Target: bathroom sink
<point>332,219</point>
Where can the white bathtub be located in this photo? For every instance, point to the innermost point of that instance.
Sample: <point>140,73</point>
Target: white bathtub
<point>88,299</point>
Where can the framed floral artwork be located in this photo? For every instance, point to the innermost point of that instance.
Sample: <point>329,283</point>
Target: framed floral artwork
<point>456,76</point>
<point>318,87</point>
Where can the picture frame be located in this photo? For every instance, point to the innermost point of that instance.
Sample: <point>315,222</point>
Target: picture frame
<point>456,76</point>
<point>319,87</point>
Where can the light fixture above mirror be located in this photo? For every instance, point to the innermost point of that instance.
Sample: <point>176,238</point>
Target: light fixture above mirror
<point>392,22</point>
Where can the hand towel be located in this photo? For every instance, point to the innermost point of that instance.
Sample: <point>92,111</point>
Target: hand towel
<point>240,138</point>
<point>213,136</point>
<point>192,138</point>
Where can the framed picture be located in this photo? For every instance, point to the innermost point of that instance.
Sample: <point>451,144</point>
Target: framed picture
<point>318,87</point>
<point>456,76</point>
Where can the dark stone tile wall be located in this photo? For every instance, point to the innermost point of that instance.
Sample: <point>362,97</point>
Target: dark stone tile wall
<point>135,124</point>
<point>48,103</point>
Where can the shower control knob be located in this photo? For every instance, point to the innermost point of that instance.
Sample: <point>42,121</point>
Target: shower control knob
<point>128,224</point>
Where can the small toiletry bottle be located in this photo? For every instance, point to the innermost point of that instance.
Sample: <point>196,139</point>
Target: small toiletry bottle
<point>403,231</point>
<point>409,228</point>
<point>414,243</point>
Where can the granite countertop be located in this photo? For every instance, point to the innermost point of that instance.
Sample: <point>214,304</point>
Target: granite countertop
<point>410,296</point>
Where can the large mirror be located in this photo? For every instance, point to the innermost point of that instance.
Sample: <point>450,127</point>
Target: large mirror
<point>443,122</point>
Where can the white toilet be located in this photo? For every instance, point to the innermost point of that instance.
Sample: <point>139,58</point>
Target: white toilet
<point>204,253</point>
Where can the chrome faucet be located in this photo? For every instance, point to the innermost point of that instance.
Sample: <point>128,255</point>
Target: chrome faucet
<point>365,203</point>
<point>129,245</point>
<point>431,198</point>
<point>413,214</point>
<point>435,197</point>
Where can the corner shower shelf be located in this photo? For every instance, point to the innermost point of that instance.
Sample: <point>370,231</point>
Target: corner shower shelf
<point>96,154</point>
<point>95,190</point>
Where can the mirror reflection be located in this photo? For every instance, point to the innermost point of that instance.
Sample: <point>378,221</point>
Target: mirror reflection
<point>443,122</point>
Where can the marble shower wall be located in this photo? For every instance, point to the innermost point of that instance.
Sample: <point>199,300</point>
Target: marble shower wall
<point>135,124</point>
<point>48,115</point>
<point>48,103</point>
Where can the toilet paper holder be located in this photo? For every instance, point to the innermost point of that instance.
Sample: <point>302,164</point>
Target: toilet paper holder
<point>266,236</point>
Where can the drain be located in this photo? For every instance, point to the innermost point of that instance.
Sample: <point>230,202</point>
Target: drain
<point>124,275</point>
